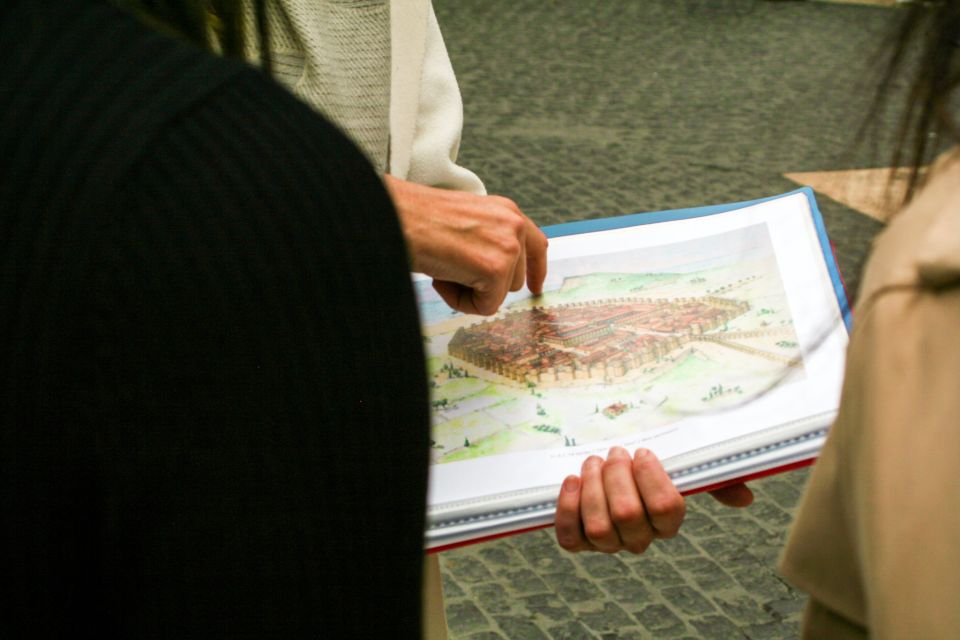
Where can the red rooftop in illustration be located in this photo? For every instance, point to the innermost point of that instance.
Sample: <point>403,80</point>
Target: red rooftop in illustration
<point>589,341</point>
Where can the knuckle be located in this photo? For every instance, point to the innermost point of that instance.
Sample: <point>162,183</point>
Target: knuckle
<point>597,533</point>
<point>508,216</point>
<point>625,512</point>
<point>506,202</point>
<point>666,506</point>
<point>517,224</point>
<point>486,308</point>
<point>494,267</point>
<point>510,246</point>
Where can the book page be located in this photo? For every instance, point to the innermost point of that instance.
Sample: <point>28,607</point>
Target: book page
<point>675,336</point>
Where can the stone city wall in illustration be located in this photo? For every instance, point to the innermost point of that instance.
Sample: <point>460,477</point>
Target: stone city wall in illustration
<point>589,341</point>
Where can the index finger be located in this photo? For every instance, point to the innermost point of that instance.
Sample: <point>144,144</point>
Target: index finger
<point>536,246</point>
<point>519,269</point>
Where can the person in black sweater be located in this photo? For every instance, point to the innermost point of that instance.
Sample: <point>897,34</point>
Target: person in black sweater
<point>212,385</point>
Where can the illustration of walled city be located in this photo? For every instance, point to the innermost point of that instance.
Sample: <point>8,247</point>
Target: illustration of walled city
<point>618,344</point>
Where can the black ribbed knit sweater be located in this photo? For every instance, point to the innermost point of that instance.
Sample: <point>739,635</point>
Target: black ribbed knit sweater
<point>212,387</point>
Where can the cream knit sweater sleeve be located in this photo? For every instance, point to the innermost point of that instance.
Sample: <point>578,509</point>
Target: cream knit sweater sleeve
<point>439,119</point>
<point>379,69</point>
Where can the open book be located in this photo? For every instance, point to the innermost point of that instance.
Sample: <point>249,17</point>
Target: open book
<point>713,336</point>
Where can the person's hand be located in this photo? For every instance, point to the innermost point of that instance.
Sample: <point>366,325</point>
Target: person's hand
<point>476,248</point>
<point>624,504</point>
<point>736,495</point>
<point>621,503</point>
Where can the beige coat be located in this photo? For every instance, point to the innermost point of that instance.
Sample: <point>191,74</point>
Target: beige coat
<point>877,539</point>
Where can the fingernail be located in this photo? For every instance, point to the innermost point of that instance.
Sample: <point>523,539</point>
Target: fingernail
<point>642,453</point>
<point>618,452</point>
<point>571,484</point>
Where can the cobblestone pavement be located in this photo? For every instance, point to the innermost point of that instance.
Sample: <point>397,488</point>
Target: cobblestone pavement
<point>717,579</point>
<point>579,109</point>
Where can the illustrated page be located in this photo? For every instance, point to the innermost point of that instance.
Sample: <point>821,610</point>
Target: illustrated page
<point>646,335</point>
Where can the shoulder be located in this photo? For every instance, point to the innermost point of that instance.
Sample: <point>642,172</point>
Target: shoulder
<point>92,85</point>
<point>94,53</point>
<point>921,246</point>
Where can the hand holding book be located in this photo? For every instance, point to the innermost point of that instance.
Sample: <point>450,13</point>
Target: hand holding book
<point>624,503</point>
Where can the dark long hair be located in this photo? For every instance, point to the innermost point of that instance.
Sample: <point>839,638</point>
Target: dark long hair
<point>926,54</point>
<point>216,25</point>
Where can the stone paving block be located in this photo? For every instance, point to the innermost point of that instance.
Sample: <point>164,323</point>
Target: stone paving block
<point>573,589</point>
<point>699,525</point>
<point>529,540</point>
<point>467,569</point>
<point>629,634</point>
<point>661,621</point>
<point>705,573</point>
<point>742,609</point>
<point>553,562</point>
<point>764,581</point>
<point>601,566</point>
<point>465,617</point>
<point>785,494</point>
<point>546,556</point>
<point>678,546</point>
<point>770,514</point>
<point>627,591</point>
<point>748,528</point>
<point>717,628</point>
<point>494,598</point>
<point>548,606</point>
<point>780,630</point>
<point>499,555</point>
<point>523,581</point>
<point>573,630</point>
<point>609,619</point>
<point>768,553</point>
<point>655,571</point>
<point>688,600</point>
<point>451,589</point>
<point>728,551</point>
<point>517,628</point>
<point>790,606</point>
